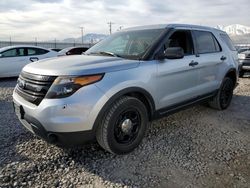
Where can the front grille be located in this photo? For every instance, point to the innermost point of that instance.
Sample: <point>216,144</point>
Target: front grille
<point>33,87</point>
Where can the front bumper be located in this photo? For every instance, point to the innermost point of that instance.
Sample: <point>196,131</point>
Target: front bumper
<point>67,139</point>
<point>244,64</point>
<point>67,121</point>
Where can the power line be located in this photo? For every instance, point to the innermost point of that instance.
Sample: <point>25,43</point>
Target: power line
<point>110,27</point>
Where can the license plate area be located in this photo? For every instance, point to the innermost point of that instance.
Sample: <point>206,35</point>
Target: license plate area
<point>19,111</point>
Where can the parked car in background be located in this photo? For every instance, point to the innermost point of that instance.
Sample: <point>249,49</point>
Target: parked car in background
<point>14,58</point>
<point>240,50</point>
<point>72,51</point>
<point>55,49</point>
<point>131,77</point>
<point>244,62</point>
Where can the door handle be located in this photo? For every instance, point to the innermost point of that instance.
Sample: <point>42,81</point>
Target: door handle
<point>32,59</point>
<point>193,63</point>
<point>223,58</point>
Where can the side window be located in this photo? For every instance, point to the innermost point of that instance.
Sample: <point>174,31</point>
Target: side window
<point>183,39</point>
<point>206,42</point>
<point>72,51</point>
<point>21,52</point>
<point>36,51</point>
<point>79,51</point>
<point>228,41</point>
<point>10,53</point>
<point>14,52</point>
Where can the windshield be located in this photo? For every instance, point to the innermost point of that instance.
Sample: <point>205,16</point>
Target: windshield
<point>127,44</point>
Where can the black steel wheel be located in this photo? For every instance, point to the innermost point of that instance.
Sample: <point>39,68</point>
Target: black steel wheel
<point>226,94</point>
<point>123,126</point>
<point>223,98</point>
<point>241,73</point>
<point>127,126</point>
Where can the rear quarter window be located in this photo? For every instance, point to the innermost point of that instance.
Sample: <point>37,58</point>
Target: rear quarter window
<point>225,38</point>
<point>37,51</point>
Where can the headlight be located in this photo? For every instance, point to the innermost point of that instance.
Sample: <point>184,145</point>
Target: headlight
<point>64,86</point>
<point>242,56</point>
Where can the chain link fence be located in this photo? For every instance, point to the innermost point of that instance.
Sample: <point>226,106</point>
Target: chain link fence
<point>60,45</point>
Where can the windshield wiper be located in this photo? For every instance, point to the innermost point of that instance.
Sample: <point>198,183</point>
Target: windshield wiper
<point>106,53</point>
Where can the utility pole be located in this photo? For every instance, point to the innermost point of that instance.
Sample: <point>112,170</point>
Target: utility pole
<point>35,41</point>
<point>110,27</point>
<point>10,41</point>
<point>82,33</point>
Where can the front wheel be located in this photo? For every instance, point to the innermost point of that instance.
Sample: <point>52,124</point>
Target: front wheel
<point>224,96</point>
<point>123,126</point>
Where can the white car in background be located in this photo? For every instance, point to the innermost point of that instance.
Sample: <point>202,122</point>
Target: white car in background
<point>14,58</point>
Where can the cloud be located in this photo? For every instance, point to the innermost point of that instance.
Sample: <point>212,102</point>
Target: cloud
<point>49,19</point>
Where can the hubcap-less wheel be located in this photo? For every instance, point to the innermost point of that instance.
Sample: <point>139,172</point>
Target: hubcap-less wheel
<point>127,126</point>
<point>123,126</point>
<point>223,98</point>
<point>226,94</point>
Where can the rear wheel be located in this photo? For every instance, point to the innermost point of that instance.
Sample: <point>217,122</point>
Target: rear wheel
<point>123,126</point>
<point>241,74</point>
<point>224,96</point>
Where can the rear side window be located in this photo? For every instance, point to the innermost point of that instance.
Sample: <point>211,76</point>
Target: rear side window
<point>37,51</point>
<point>206,42</point>
<point>228,41</point>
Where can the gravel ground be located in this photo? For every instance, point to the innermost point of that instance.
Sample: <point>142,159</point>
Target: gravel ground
<point>198,147</point>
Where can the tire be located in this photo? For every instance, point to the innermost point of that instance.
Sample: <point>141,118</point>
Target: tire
<point>123,126</point>
<point>223,98</point>
<point>241,74</point>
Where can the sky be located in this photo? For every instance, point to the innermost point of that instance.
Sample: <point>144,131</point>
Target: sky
<point>60,19</point>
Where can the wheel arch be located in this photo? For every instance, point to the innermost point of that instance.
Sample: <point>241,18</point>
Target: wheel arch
<point>232,73</point>
<point>140,93</point>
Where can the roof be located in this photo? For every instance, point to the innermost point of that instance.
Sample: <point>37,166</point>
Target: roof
<point>165,26</point>
<point>20,46</point>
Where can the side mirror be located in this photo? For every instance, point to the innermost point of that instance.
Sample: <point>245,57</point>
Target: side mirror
<point>172,53</point>
<point>1,55</point>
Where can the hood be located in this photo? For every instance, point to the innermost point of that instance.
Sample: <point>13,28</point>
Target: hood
<point>79,65</point>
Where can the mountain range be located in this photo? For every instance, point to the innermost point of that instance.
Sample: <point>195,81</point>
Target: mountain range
<point>235,29</point>
<point>88,38</point>
<point>240,34</point>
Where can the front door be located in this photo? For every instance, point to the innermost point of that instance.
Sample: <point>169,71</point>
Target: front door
<point>177,78</point>
<point>12,61</point>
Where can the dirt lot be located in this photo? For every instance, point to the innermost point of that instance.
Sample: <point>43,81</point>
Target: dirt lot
<point>198,147</point>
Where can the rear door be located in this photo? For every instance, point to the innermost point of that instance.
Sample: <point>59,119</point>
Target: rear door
<point>210,58</point>
<point>177,78</point>
<point>36,54</point>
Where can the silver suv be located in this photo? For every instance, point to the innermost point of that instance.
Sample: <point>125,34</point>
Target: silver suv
<point>132,77</point>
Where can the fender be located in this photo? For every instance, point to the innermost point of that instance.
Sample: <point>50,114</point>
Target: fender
<point>232,73</point>
<point>126,91</point>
